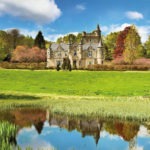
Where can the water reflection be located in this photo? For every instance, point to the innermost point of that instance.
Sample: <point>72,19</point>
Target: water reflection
<point>39,128</point>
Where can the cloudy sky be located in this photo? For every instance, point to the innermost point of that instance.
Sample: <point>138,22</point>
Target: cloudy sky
<point>59,17</point>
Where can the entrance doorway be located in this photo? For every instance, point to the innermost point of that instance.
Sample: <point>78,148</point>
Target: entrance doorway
<point>74,64</point>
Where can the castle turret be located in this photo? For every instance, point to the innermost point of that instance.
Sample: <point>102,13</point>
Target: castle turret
<point>48,53</point>
<point>69,50</point>
<point>80,48</point>
<point>100,55</point>
<point>98,28</point>
<point>98,31</point>
<point>69,45</point>
<point>48,57</point>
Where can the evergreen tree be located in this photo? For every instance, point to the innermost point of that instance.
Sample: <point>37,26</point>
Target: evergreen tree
<point>39,40</point>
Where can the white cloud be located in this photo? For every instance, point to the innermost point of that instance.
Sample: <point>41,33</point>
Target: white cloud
<point>144,31</point>
<point>104,28</point>
<point>143,132</point>
<point>80,7</point>
<point>117,27</point>
<point>53,37</point>
<point>139,148</point>
<point>31,33</point>
<point>134,15</point>
<point>114,28</point>
<point>105,134</point>
<point>40,11</point>
<point>75,33</point>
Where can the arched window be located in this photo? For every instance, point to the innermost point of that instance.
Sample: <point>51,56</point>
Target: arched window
<point>75,53</point>
<point>59,54</point>
<point>90,54</point>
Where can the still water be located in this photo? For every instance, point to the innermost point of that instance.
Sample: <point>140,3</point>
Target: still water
<point>41,129</point>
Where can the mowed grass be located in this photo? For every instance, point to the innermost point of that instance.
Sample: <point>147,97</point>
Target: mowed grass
<point>124,95</point>
<point>81,83</point>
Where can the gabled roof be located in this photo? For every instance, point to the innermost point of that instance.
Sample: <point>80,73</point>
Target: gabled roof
<point>88,45</point>
<point>63,46</point>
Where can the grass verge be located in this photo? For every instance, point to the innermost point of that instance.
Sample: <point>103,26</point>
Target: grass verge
<point>129,108</point>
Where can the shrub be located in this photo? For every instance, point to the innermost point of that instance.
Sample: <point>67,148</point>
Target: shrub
<point>25,54</point>
<point>66,64</point>
<point>32,66</point>
<point>118,67</point>
<point>58,67</point>
<point>142,61</point>
<point>119,61</point>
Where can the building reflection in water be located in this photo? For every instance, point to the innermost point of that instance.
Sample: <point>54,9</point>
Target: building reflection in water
<point>27,117</point>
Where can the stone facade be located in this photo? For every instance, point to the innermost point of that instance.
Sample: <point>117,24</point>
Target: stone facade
<point>89,51</point>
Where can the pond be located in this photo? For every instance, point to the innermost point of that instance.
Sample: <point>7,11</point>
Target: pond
<point>39,128</point>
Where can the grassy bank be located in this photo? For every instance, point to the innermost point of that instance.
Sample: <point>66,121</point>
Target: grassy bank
<point>123,95</point>
<point>129,108</point>
<point>81,83</point>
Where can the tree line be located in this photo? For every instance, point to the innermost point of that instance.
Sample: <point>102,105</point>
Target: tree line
<point>19,48</point>
<point>124,46</point>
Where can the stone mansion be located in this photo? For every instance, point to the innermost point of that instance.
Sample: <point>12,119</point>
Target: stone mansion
<point>89,51</point>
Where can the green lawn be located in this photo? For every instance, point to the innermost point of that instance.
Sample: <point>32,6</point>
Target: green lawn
<point>82,83</point>
<point>124,95</point>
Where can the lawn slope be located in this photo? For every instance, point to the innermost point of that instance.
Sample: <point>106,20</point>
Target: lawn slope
<point>81,83</point>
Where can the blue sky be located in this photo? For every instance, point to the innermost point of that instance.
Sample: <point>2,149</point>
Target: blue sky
<point>59,17</point>
<point>54,137</point>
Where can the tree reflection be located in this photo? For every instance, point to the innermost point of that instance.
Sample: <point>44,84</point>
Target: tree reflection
<point>127,130</point>
<point>39,126</point>
<point>87,127</point>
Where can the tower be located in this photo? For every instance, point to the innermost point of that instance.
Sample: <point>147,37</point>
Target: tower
<point>48,57</point>
<point>80,52</point>
<point>69,51</point>
<point>100,55</point>
<point>80,49</point>
<point>100,48</point>
<point>133,144</point>
<point>98,31</point>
